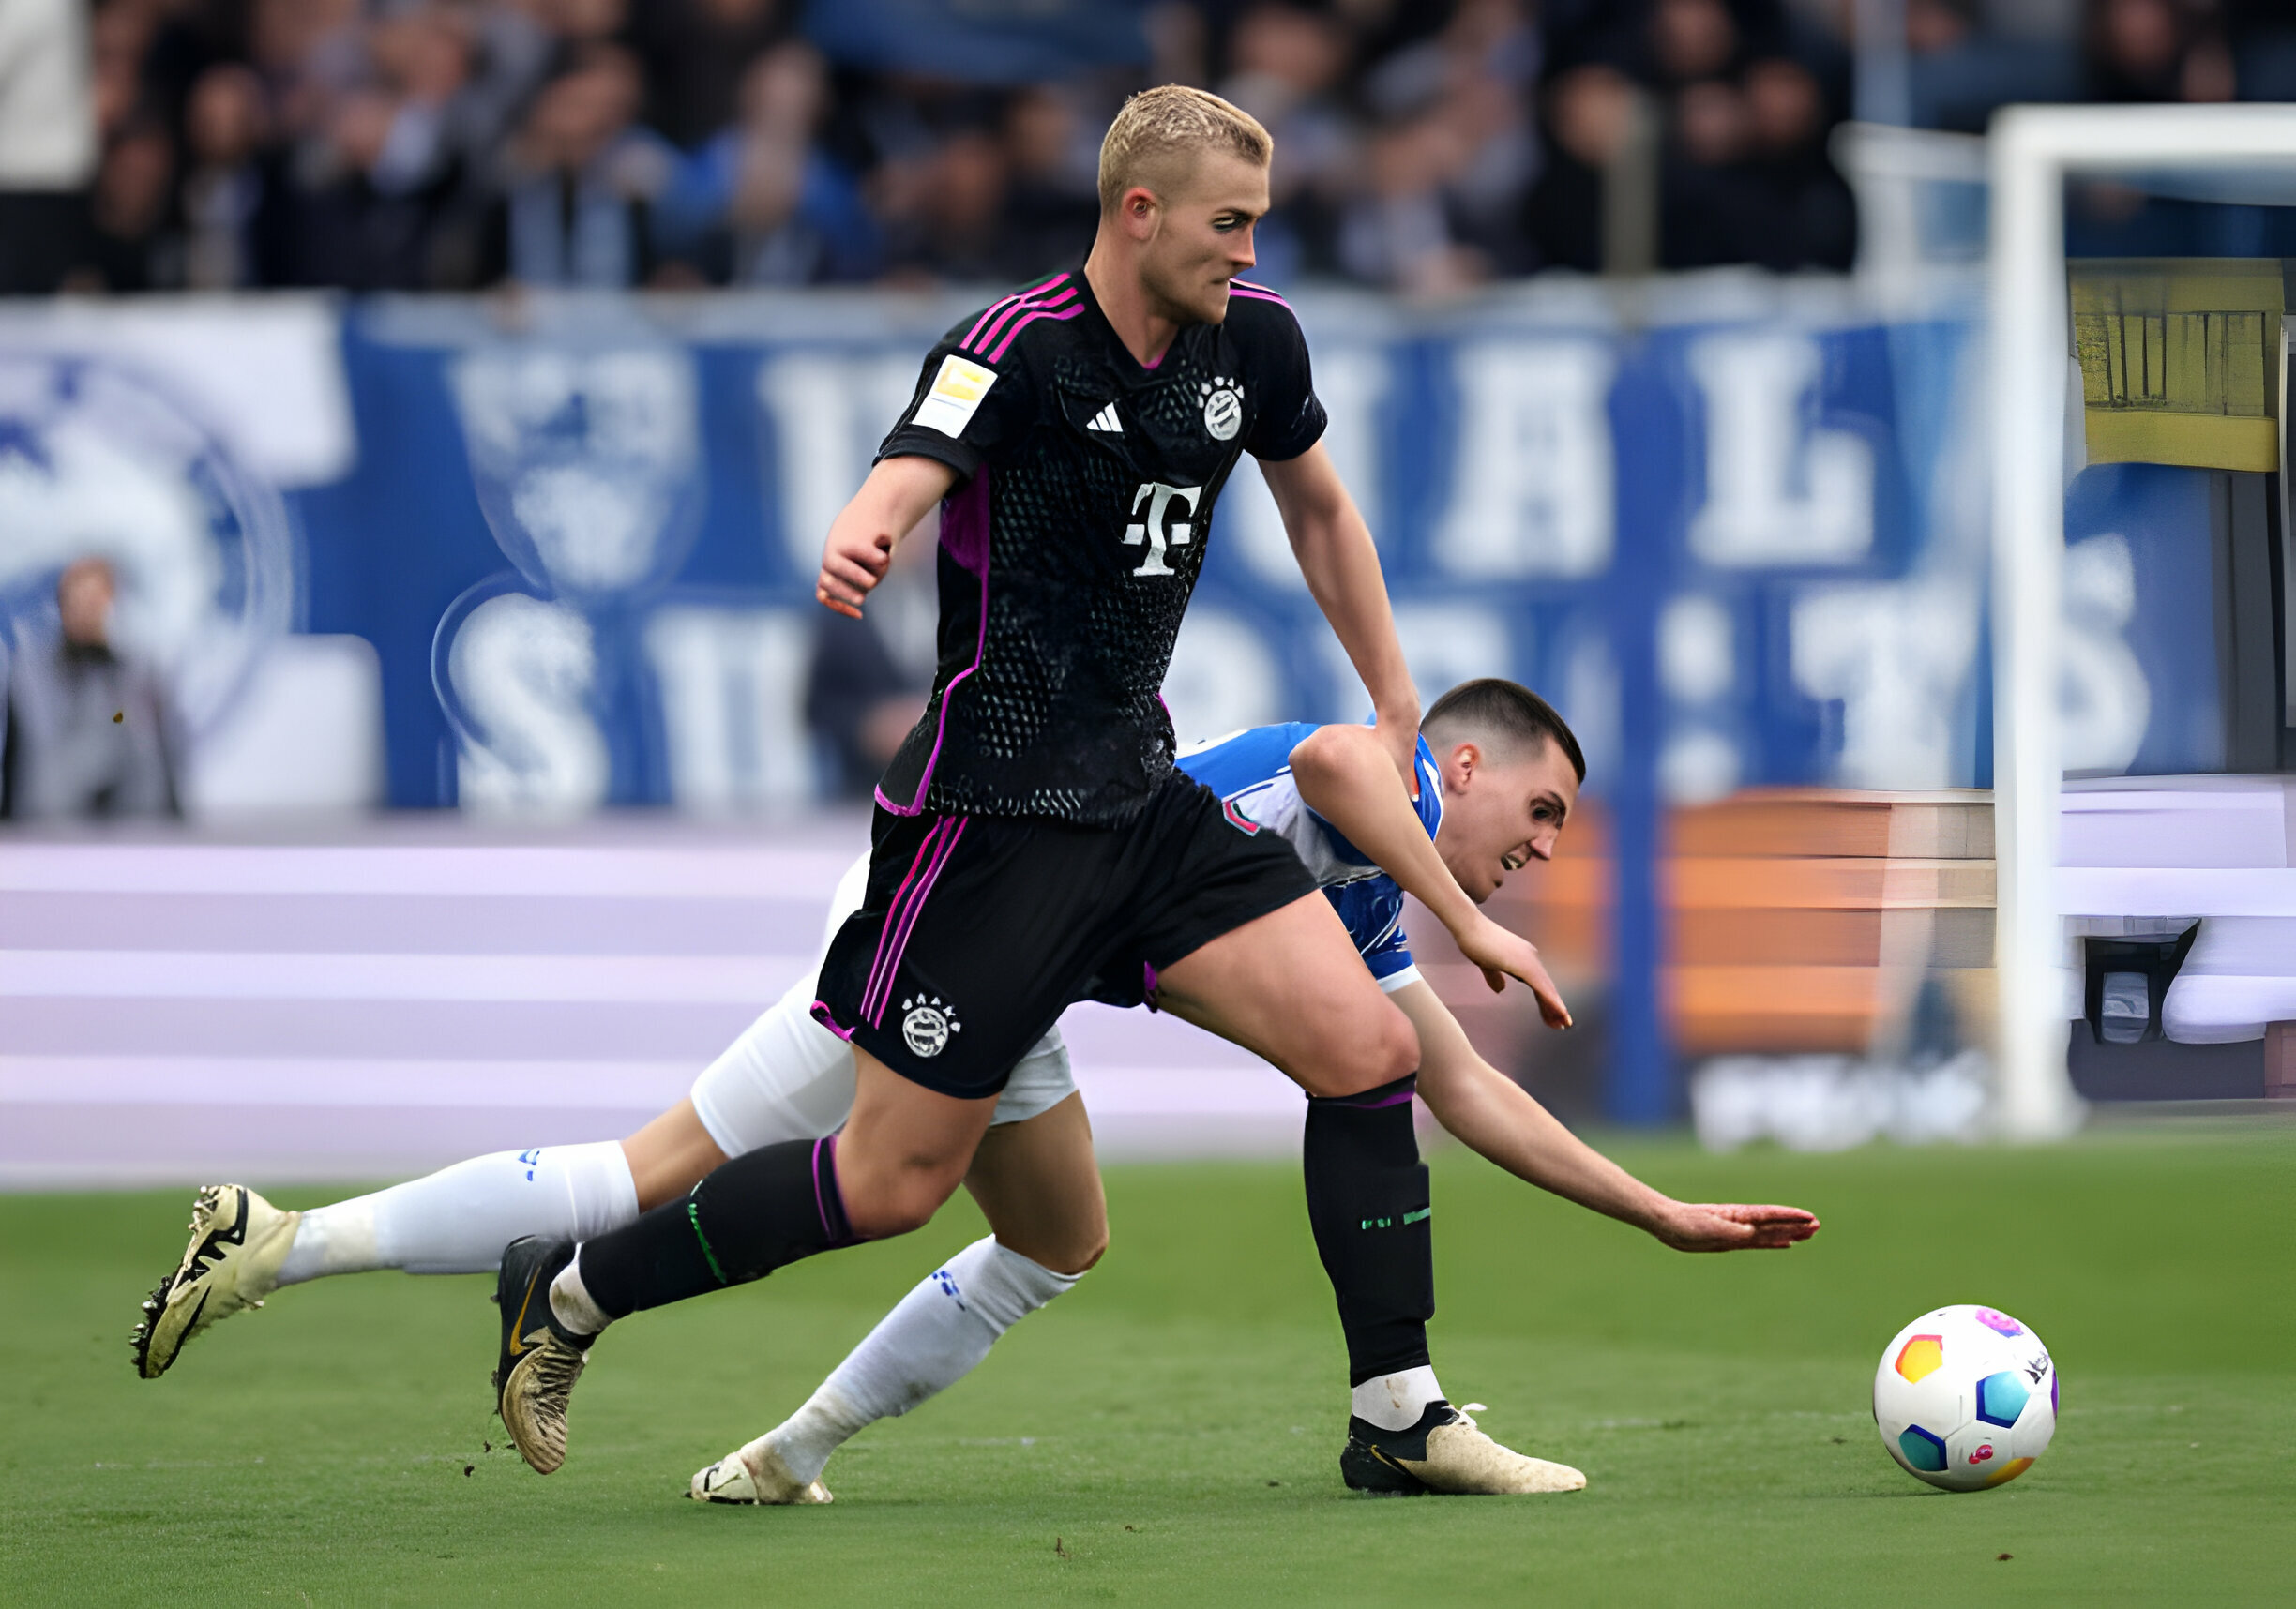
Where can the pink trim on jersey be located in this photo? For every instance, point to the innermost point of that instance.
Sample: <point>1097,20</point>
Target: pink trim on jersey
<point>819,1205</point>
<point>1397,1099</point>
<point>1018,310</point>
<point>819,1010</point>
<point>964,526</point>
<point>885,932</point>
<point>970,509</point>
<point>996,307</point>
<point>1258,293</point>
<point>955,825</point>
<point>1040,312</point>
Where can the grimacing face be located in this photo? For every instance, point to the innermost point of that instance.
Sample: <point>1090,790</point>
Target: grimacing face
<point>1500,817</point>
<point>1202,237</point>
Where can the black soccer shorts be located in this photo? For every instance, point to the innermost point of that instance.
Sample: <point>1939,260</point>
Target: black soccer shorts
<point>977,931</point>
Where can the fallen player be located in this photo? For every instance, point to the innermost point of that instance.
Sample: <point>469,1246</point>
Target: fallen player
<point>1502,772</point>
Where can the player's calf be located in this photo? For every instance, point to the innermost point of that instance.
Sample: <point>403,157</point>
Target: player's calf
<point>751,1216</point>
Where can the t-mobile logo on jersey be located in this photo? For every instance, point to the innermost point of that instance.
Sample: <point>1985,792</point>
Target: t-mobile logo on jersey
<point>1159,530</point>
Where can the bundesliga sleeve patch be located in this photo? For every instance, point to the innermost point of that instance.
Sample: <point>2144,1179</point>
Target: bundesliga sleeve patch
<point>956,395</point>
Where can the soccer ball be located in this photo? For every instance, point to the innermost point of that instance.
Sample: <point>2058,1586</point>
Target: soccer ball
<point>1965,1398</point>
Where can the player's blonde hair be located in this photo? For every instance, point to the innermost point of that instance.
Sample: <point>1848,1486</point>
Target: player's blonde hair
<point>1159,133</point>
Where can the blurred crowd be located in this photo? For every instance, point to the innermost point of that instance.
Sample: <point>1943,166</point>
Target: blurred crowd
<point>1421,144</point>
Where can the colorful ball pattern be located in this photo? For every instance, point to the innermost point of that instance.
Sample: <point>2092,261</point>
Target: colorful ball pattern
<point>1965,1398</point>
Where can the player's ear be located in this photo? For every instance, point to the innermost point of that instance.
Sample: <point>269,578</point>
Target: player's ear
<point>1460,765</point>
<point>1137,210</point>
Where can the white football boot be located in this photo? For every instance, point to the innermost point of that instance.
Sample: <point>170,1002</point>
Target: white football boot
<point>1444,1452</point>
<point>754,1474</point>
<point>238,1241</point>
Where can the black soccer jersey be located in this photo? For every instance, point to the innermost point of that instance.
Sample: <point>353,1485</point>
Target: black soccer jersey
<point>1072,540</point>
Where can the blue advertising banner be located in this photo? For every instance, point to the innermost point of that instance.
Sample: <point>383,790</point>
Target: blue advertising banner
<point>585,544</point>
<point>1738,545</point>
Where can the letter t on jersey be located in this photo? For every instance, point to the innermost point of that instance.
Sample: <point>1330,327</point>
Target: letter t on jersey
<point>1159,530</point>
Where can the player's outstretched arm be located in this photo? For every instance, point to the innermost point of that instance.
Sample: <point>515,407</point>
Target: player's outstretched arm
<point>1492,1115</point>
<point>1335,554</point>
<point>1343,777</point>
<point>898,492</point>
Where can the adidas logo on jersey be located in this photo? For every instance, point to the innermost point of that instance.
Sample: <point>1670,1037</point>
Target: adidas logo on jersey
<point>1106,420</point>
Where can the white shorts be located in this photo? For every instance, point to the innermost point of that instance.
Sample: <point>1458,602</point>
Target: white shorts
<point>788,1078</point>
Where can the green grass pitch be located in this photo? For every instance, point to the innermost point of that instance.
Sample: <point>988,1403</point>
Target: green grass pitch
<point>1169,1433</point>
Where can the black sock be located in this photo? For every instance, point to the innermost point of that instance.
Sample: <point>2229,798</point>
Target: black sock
<point>1367,1204</point>
<point>754,1214</point>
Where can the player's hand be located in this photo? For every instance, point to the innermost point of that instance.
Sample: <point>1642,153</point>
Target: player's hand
<point>1713,1227</point>
<point>854,560</point>
<point>1501,955</point>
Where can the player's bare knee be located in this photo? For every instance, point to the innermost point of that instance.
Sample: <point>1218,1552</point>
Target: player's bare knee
<point>1086,1249</point>
<point>1399,1045</point>
<point>889,1199</point>
<point>1377,1051</point>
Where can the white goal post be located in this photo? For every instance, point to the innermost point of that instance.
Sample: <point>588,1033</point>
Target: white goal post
<point>2248,152</point>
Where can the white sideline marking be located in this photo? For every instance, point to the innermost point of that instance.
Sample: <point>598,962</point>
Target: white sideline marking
<point>328,1081</point>
<point>195,974</point>
<point>471,871</point>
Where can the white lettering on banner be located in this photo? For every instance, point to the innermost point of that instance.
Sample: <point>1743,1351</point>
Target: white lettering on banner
<point>1895,655</point>
<point>828,410</point>
<point>1590,689</point>
<point>1351,382</point>
<point>1158,528</point>
<point>1697,665</point>
<point>1222,678</point>
<point>732,688</point>
<point>1444,643</point>
<point>1698,656</point>
<point>522,671</point>
<point>1778,489</point>
<point>1698,764</point>
<point>2105,702</point>
<point>1533,487</point>
<point>583,455</point>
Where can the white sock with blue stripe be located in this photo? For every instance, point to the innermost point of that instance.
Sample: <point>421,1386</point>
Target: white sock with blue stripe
<point>458,1218</point>
<point>931,1340</point>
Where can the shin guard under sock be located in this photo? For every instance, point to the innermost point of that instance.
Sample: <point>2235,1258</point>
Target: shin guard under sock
<point>754,1214</point>
<point>1367,1204</point>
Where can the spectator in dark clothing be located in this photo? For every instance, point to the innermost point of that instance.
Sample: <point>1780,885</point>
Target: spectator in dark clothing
<point>1053,199</point>
<point>1799,211</point>
<point>129,213</point>
<point>1288,67</point>
<point>1590,115</point>
<point>764,203</point>
<point>943,209</point>
<point>584,175</point>
<point>696,54</point>
<point>232,196</point>
<point>88,734</point>
<point>1703,191</point>
<point>2157,50</point>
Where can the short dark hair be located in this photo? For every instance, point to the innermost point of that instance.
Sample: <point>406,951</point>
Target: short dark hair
<point>1491,707</point>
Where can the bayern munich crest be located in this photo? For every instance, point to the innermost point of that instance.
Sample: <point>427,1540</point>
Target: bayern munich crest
<point>98,458</point>
<point>1223,407</point>
<point>927,1025</point>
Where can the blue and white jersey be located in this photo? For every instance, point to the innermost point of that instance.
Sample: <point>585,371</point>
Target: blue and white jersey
<point>1251,772</point>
